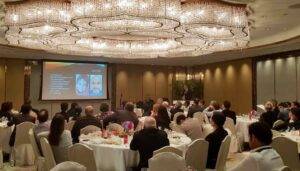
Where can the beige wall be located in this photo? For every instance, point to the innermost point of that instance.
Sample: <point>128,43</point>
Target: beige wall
<point>229,81</point>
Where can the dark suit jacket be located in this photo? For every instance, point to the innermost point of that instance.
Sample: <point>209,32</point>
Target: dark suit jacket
<point>215,140</point>
<point>269,118</point>
<point>81,123</point>
<point>16,120</point>
<point>65,114</point>
<point>120,117</point>
<point>146,141</point>
<point>174,111</point>
<point>193,109</point>
<point>7,115</point>
<point>229,113</point>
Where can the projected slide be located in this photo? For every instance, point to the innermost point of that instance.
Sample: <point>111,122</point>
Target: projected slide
<point>67,81</point>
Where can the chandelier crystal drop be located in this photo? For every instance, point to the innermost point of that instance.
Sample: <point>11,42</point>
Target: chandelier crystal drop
<point>127,28</point>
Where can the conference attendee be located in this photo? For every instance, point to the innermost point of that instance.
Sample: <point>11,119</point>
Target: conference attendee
<point>148,140</point>
<point>213,106</point>
<point>176,109</point>
<point>196,107</point>
<point>283,112</point>
<point>104,111</point>
<point>72,111</point>
<point>154,110</point>
<point>294,123</point>
<point>18,119</point>
<point>77,113</point>
<point>81,122</point>
<point>63,110</point>
<point>121,116</point>
<point>159,101</point>
<point>147,107</point>
<point>162,118</point>
<point>295,104</point>
<point>275,108</point>
<point>268,117</point>
<point>59,138</point>
<point>43,124</point>
<point>190,126</point>
<point>34,111</point>
<point>167,106</point>
<point>227,112</point>
<point>215,138</point>
<point>262,156</point>
<point>5,112</point>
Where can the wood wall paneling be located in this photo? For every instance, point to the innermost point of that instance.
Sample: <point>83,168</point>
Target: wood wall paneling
<point>2,80</point>
<point>298,78</point>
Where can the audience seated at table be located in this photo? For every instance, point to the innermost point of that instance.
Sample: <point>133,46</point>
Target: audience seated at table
<point>190,126</point>
<point>262,157</point>
<point>213,106</point>
<point>104,111</point>
<point>88,119</point>
<point>121,116</point>
<point>283,111</point>
<point>176,109</point>
<point>59,138</point>
<point>269,117</point>
<point>148,140</point>
<point>77,113</point>
<point>43,123</point>
<point>63,111</point>
<point>295,104</point>
<point>5,111</point>
<point>162,118</point>
<point>215,138</point>
<point>227,112</point>
<point>72,111</point>
<point>18,119</point>
<point>196,107</point>
<point>293,124</point>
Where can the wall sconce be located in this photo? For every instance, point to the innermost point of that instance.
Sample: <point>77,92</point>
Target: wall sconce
<point>27,70</point>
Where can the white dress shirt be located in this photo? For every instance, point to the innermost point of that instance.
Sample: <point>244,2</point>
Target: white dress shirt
<point>264,158</point>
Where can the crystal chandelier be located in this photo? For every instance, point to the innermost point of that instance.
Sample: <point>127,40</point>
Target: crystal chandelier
<point>127,28</point>
<point>2,14</point>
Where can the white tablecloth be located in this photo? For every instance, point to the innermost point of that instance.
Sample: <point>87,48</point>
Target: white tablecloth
<point>242,124</point>
<point>119,157</point>
<point>294,137</point>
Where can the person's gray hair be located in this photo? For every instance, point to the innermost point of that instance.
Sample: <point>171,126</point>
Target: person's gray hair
<point>149,122</point>
<point>89,110</point>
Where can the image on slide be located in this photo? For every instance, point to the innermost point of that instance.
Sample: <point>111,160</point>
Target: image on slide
<point>82,84</point>
<point>95,85</point>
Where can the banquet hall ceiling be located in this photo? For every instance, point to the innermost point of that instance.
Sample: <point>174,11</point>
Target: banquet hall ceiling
<point>274,27</point>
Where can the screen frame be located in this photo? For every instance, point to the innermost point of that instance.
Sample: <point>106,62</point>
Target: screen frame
<point>73,61</point>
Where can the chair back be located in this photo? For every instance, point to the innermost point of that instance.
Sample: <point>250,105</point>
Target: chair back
<point>69,166</point>
<point>115,127</point>
<point>229,124</point>
<point>278,122</point>
<point>201,117</point>
<point>288,150</point>
<point>176,127</point>
<point>76,153</point>
<point>176,115</point>
<point>22,133</point>
<point>196,155</point>
<point>285,168</point>
<point>223,153</point>
<point>48,154</point>
<point>89,129</point>
<point>69,125</point>
<point>33,142</point>
<point>168,149</point>
<point>166,161</point>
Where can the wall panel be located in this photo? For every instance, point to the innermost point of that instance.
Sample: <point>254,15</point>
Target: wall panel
<point>298,78</point>
<point>2,81</point>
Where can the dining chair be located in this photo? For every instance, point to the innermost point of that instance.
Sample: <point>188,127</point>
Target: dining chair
<point>168,149</point>
<point>278,122</point>
<point>166,161</point>
<point>89,129</point>
<point>235,144</point>
<point>285,168</point>
<point>76,153</point>
<point>69,166</point>
<point>39,159</point>
<point>288,150</point>
<point>201,117</point>
<point>196,155</point>
<point>48,154</point>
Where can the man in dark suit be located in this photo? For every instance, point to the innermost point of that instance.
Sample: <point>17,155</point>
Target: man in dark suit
<point>16,120</point>
<point>176,109</point>
<point>84,121</point>
<point>269,117</point>
<point>196,107</point>
<point>63,111</point>
<point>148,140</point>
<point>122,116</point>
<point>227,112</point>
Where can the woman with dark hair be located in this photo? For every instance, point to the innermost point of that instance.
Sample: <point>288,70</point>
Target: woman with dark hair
<point>162,119</point>
<point>59,138</point>
<point>5,111</point>
<point>104,111</point>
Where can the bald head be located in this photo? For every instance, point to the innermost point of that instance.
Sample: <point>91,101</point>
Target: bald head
<point>89,111</point>
<point>149,122</point>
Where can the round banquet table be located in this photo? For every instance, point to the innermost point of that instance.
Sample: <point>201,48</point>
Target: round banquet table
<point>119,157</point>
<point>293,135</point>
<point>242,124</point>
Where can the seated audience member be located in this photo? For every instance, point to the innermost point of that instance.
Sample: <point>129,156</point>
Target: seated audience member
<point>290,126</point>
<point>295,104</point>
<point>227,112</point>
<point>11,108</point>
<point>148,140</point>
<point>43,125</point>
<point>213,106</point>
<point>269,117</point>
<point>63,111</point>
<point>167,106</point>
<point>5,111</point>
<point>215,138</point>
<point>162,118</point>
<point>154,110</point>
<point>283,112</point>
<point>34,112</point>
<point>18,119</point>
<point>77,113</point>
<point>104,111</point>
<point>81,122</point>
<point>147,107</point>
<point>176,109</point>
<point>196,107</point>
<point>191,127</point>
<point>262,157</point>
<point>72,111</point>
<point>159,101</point>
<point>59,138</point>
<point>275,108</point>
<point>122,116</point>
